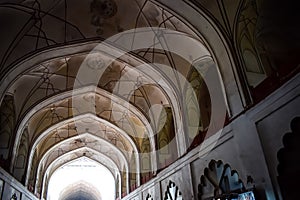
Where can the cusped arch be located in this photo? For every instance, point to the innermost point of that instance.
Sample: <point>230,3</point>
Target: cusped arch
<point>218,181</point>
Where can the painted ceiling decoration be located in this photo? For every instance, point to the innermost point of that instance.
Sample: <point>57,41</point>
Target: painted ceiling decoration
<point>97,18</point>
<point>132,120</point>
<point>155,100</point>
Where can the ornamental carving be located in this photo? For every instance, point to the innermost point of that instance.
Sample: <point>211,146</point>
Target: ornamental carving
<point>172,192</point>
<point>218,180</point>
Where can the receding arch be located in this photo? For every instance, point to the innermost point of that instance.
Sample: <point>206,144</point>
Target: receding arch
<point>73,192</point>
<point>120,165</point>
<point>181,135</point>
<point>80,117</point>
<point>107,163</point>
<point>86,152</point>
<point>69,94</point>
<point>77,138</point>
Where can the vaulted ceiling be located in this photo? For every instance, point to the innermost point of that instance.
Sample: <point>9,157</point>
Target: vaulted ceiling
<point>63,110</point>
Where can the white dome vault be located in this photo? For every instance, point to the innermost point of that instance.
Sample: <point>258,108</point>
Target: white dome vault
<point>130,117</point>
<point>128,89</point>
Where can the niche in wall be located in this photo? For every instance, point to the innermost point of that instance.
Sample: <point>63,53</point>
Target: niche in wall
<point>289,162</point>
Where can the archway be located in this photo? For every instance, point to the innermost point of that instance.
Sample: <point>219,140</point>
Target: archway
<point>82,178</point>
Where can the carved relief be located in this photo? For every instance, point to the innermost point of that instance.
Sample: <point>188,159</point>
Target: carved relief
<point>149,197</point>
<point>172,192</point>
<point>218,180</point>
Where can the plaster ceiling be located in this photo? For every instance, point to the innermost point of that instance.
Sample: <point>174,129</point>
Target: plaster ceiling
<point>112,121</point>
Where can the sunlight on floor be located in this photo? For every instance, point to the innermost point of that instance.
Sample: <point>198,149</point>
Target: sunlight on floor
<point>92,178</point>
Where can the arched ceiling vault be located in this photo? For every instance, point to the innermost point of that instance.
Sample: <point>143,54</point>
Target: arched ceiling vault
<point>81,191</point>
<point>51,105</point>
<point>87,152</point>
<point>90,24</point>
<point>44,144</point>
<point>65,95</point>
<point>69,157</point>
<point>83,140</point>
<point>43,86</point>
<point>57,112</point>
<point>56,76</point>
<point>48,109</point>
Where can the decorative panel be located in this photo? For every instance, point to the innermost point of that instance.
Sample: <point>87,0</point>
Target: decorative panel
<point>172,192</point>
<point>218,181</point>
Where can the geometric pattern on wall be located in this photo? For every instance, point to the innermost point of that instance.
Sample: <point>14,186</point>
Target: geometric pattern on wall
<point>218,180</point>
<point>172,192</point>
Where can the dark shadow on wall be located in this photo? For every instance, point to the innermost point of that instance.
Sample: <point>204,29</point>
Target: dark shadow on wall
<point>289,162</point>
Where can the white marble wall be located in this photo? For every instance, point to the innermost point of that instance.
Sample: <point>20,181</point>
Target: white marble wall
<point>249,144</point>
<point>10,186</point>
